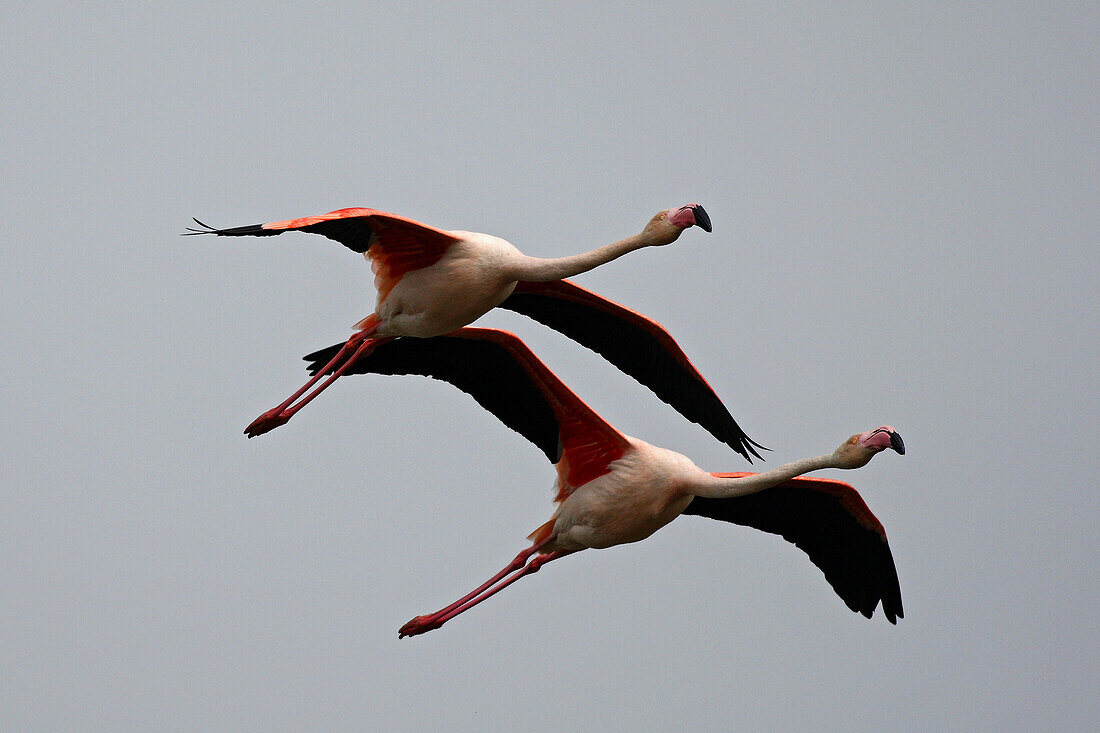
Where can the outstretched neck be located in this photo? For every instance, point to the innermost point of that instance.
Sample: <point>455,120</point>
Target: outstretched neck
<point>536,269</point>
<point>717,486</point>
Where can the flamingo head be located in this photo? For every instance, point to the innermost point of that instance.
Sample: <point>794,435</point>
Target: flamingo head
<point>665,226</point>
<point>859,449</point>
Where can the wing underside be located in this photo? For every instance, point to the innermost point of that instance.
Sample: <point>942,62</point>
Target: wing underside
<point>831,523</point>
<point>638,346</point>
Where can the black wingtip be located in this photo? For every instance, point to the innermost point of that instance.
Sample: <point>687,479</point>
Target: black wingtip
<point>749,449</point>
<point>702,219</point>
<point>252,230</point>
<point>206,229</point>
<point>897,443</point>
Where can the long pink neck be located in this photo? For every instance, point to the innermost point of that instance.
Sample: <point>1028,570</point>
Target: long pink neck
<point>720,487</point>
<point>536,269</point>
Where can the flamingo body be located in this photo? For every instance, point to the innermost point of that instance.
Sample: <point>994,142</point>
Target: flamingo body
<point>431,282</point>
<point>643,490</point>
<point>614,489</point>
<point>465,283</point>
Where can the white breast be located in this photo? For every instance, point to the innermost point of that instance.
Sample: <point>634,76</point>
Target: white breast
<point>467,282</point>
<point>644,491</point>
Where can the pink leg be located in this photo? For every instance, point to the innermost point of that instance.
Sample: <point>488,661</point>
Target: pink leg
<point>517,562</point>
<point>358,346</point>
<point>491,587</point>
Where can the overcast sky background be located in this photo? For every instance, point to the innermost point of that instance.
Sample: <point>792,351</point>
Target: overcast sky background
<point>905,231</point>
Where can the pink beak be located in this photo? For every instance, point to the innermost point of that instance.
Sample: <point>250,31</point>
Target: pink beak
<point>882,438</point>
<point>690,215</point>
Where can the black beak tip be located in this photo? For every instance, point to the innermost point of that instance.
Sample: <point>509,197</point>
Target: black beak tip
<point>702,220</point>
<point>897,443</point>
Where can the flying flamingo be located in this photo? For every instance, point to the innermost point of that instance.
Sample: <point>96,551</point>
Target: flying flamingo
<point>614,489</point>
<point>431,282</point>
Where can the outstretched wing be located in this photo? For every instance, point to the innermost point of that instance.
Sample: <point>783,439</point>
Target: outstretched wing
<point>830,522</point>
<point>396,243</point>
<point>635,344</point>
<point>508,380</point>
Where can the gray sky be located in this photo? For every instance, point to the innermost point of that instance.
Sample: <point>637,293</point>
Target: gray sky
<point>905,231</point>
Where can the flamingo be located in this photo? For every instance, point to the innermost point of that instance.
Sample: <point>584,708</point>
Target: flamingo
<point>613,489</point>
<point>431,282</point>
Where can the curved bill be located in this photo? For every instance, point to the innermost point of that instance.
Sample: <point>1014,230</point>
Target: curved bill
<point>701,218</point>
